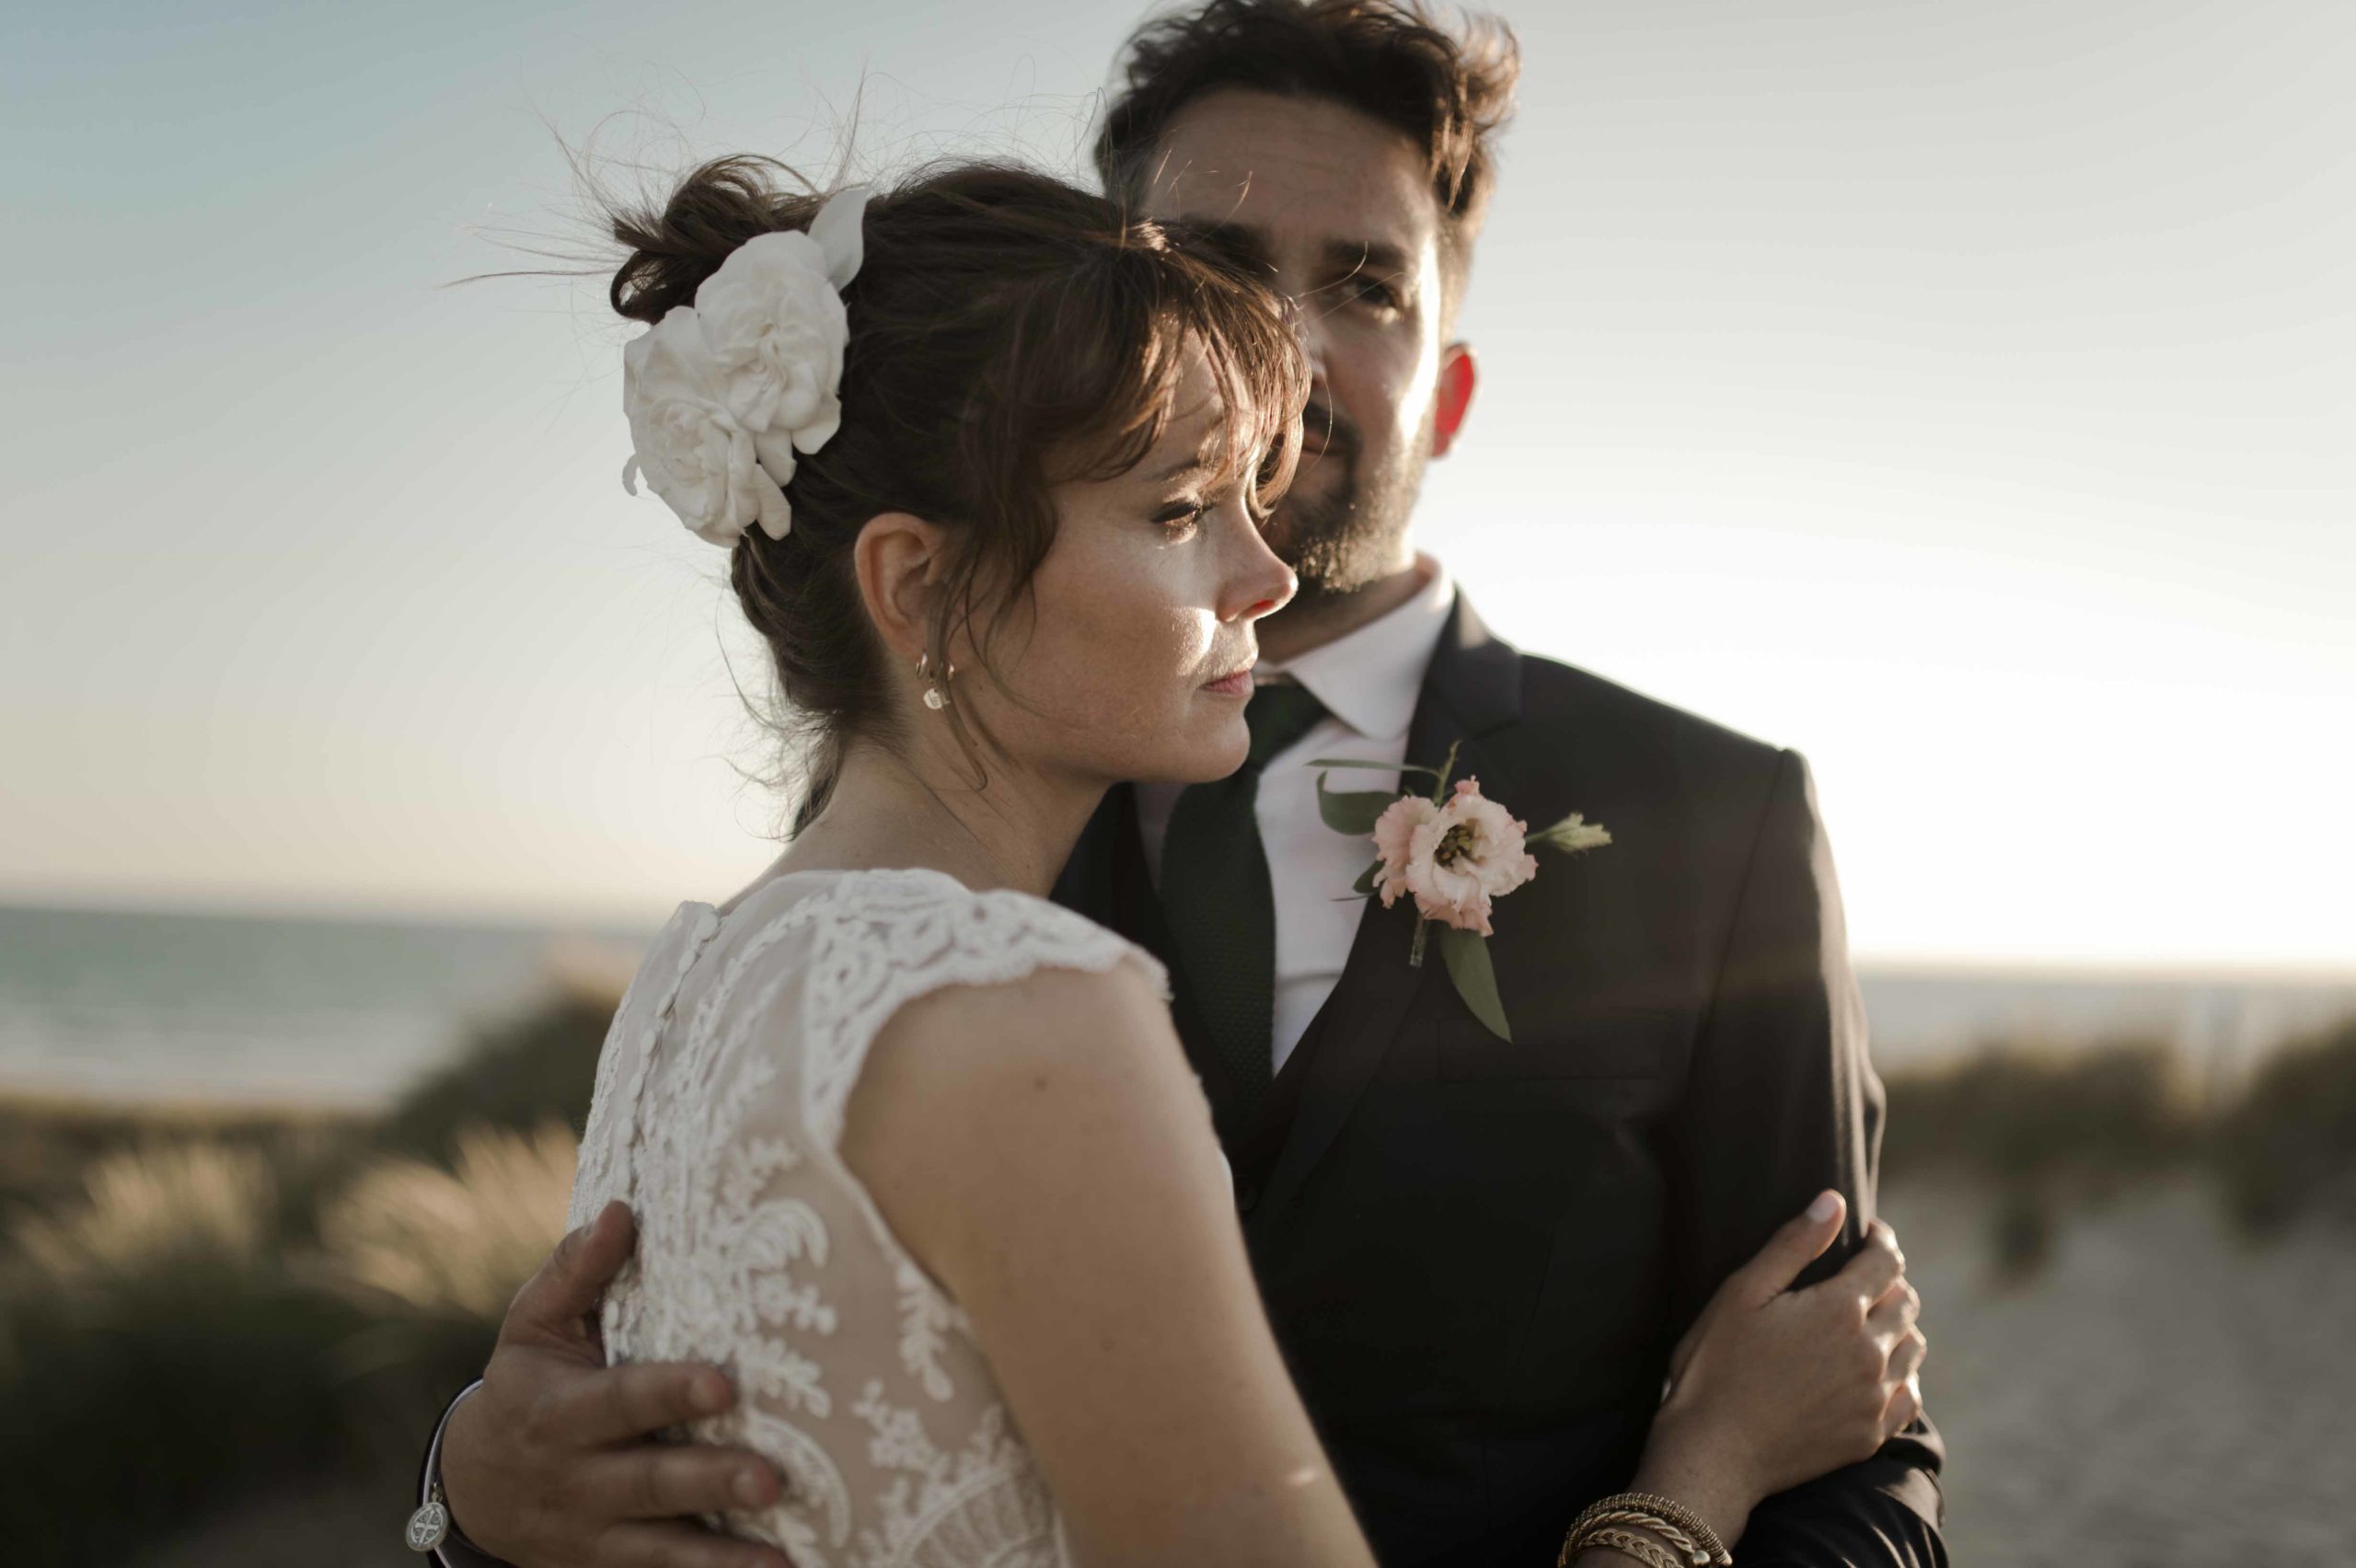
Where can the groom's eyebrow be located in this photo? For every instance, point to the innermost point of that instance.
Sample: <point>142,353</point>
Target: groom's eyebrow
<point>1376,258</point>
<point>1245,247</point>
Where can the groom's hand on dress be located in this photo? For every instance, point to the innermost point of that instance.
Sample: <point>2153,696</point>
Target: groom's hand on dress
<point>552,1463</point>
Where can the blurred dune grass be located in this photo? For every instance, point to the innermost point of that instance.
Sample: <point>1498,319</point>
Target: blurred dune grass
<point>235,1327</point>
<point>149,1207</point>
<point>456,1241</point>
<point>204,1307</point>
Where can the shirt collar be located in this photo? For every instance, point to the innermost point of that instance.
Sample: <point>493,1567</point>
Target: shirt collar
<point>1370,678</point>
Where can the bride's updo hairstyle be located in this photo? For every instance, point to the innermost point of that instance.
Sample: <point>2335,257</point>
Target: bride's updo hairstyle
<point>1009,334</point>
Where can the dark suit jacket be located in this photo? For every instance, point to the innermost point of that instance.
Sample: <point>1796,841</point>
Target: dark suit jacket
<point>1477,1255</point>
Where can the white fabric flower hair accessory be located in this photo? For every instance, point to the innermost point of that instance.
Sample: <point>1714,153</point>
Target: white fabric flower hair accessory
<point>721,395</point>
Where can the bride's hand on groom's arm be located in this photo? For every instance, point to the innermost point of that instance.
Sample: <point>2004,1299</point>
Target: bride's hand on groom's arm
<point>551,1462</point>
<point>1775,1386</point>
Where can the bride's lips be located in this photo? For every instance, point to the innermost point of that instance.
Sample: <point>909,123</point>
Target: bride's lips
<point>1236,685</point>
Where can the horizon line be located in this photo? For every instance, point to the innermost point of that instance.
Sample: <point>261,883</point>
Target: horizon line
<point>607,918</point>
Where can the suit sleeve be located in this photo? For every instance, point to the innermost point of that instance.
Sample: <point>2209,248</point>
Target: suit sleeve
<point>1782,1103</point>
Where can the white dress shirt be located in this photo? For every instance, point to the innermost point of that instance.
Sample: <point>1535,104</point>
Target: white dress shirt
<point>1368,682</point>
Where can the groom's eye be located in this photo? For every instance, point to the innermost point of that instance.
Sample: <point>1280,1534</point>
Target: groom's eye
<point>1379,292</point>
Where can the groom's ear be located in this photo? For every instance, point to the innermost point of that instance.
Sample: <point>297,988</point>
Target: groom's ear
<point>1458,376</point>
<point>897,559</point>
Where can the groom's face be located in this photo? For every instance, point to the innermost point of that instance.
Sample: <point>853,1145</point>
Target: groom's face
<point>1336,211</point>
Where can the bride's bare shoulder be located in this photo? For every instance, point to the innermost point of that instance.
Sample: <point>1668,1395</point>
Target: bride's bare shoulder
<point>1069,1023</point>
<point>981,1103</point>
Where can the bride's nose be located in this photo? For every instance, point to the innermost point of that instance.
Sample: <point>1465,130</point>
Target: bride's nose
<point>1257,583</point>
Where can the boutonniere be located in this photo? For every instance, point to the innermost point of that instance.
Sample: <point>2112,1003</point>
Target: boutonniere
<point>1455,852</point>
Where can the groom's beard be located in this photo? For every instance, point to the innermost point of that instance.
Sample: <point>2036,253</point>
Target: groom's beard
<point>1343,525</point>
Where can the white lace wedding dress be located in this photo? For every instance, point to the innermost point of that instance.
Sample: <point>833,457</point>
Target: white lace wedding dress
<point>718,1108</point>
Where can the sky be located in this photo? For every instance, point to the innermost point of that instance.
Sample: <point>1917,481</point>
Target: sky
<point>1964,395</point>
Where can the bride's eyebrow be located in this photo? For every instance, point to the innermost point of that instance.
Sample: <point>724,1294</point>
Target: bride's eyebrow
<point>1196,462</point>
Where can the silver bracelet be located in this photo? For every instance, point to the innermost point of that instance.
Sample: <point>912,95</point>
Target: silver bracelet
<point>430,1527</point>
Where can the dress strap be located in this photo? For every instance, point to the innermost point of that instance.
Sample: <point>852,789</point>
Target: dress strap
<point>896,935</point>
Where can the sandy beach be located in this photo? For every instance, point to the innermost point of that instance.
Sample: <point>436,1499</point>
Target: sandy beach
<point>2163,1395</point>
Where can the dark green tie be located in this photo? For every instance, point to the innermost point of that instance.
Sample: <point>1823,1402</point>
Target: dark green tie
<point>1222,911</point>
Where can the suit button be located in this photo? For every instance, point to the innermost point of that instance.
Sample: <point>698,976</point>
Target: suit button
<point>1247,1197</point>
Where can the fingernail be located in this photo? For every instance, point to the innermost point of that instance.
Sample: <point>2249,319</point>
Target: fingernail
<point>1827,1202</point>
<point>711,1396</point>
<point>750,1490</point>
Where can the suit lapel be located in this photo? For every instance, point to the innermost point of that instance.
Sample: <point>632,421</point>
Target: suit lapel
<point>1472,690</point>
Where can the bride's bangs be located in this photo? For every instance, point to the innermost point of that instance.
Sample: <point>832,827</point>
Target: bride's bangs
<point>1262,376</point>
<point>1176,305</point>
<point>1139,355</point>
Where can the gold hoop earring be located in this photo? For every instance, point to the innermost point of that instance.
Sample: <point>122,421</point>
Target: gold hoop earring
<point>934,697</point>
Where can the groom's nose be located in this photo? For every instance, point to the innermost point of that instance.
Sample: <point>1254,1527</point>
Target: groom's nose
<point>1315,343</point>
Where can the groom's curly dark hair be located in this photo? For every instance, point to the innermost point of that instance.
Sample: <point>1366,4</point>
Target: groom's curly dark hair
<point>1448,90</point>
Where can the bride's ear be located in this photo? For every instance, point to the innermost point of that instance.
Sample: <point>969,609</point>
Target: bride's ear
<point>898,560</point>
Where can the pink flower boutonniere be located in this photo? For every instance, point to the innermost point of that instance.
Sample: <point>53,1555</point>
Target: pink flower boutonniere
<point>1455,852</point>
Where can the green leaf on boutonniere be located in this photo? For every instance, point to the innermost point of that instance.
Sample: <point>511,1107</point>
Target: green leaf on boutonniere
<point>1367,880</point>
<point>1353,812</point>
<point>1571,834</point>
<point>1467,953</point>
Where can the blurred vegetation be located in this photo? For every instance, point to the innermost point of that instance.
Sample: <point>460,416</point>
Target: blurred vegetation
<point>201,1308</point>
<point>2043,1128</point>
<point>2011,1113</point>
<point>2287,1147</point>
<point>48,1143</point>
<point>536,1067</point>
<point>2040,1127</point>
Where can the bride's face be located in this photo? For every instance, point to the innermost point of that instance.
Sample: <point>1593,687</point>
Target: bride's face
<point>1131,660</point>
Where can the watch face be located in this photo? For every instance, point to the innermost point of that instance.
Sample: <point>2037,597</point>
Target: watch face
<point>427,1527</point>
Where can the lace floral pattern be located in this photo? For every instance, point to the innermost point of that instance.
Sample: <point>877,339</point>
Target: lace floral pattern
<point>719,1106</point>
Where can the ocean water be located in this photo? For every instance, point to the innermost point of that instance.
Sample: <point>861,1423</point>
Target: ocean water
<point>314,1011</point>
<point>157,1006</point>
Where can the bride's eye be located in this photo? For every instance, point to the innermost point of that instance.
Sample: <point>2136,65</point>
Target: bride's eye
<point>1179,519</point>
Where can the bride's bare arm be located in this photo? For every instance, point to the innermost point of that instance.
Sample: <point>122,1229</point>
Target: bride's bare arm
<point>1044,1151</point>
